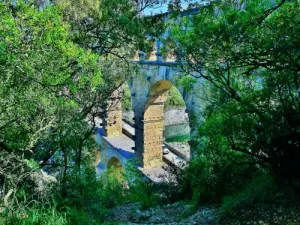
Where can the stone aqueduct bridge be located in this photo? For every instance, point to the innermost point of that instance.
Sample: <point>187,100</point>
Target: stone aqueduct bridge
<point>149,90</point>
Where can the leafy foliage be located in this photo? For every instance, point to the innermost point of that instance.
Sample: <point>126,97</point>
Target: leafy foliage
<point>248,53</point>
<point>260,189</point>
<point>51,91</point>
<point>111,27</point>
<point>60,64</point>
<point>126,99</point>
<point>174,99</point>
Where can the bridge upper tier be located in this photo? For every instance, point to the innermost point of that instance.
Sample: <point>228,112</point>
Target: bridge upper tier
<point>158,42</point>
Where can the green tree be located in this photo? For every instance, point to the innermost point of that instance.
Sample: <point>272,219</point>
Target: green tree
<point>111,27</point>
<point>174,5</point>
<point>51,90</point>
<point>248,53</point>
<point>59,64</point>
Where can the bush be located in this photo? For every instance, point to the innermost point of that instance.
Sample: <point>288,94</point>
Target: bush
<point>174,99</point>
<point>126,99</point>
<point>140,189</point>
<point>214,175</point>
<point>89,198</point>
<point>261,189</point>
<point>28,213</point>
<point>86,200</point>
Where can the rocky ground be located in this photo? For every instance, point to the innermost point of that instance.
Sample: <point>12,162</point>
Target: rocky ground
<point>172,214</point>
<point>183,147</point>
<point>175,116</point>
<point>287,213</point>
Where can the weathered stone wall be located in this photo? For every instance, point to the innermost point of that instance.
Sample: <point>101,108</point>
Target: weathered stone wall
<point>153,122</point>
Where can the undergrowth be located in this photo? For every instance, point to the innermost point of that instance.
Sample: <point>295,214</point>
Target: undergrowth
<point>261,189</point>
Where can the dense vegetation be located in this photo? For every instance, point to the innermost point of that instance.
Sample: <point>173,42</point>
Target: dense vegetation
<point>60,62</point>
<point>55,79</point>
<point>247,55</point>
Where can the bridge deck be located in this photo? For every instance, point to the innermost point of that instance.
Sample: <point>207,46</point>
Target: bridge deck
<point>121,142</point>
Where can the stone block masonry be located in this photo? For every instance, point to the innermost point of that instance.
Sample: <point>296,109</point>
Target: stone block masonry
<point>153,130</point>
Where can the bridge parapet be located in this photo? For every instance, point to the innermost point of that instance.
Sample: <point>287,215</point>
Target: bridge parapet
<point>155,55</point>
<point>162,46</point>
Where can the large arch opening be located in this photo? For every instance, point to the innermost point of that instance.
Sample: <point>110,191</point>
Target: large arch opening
<point>154,132</point>
<point>177,130</point>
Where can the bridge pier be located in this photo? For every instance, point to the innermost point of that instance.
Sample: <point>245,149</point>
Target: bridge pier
<point>150,152</point>
<point>112,121</point>
<point>152,155</point>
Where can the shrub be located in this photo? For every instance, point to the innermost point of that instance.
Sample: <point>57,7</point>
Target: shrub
<point>89,198</point>
<point>214,175</point>
<point>261,189</point>
<point>140,189</point>
<point>174,99</point>
<point>126,99</point>
<point>29,213</point>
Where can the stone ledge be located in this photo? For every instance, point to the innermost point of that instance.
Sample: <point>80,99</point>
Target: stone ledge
<point>152,121</point>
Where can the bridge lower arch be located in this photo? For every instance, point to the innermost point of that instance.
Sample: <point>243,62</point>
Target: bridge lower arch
<point>114,166</point>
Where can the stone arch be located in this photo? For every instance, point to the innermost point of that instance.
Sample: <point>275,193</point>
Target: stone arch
<point>114,166</point>
<point>151,138</point>
<point>114,162</point>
